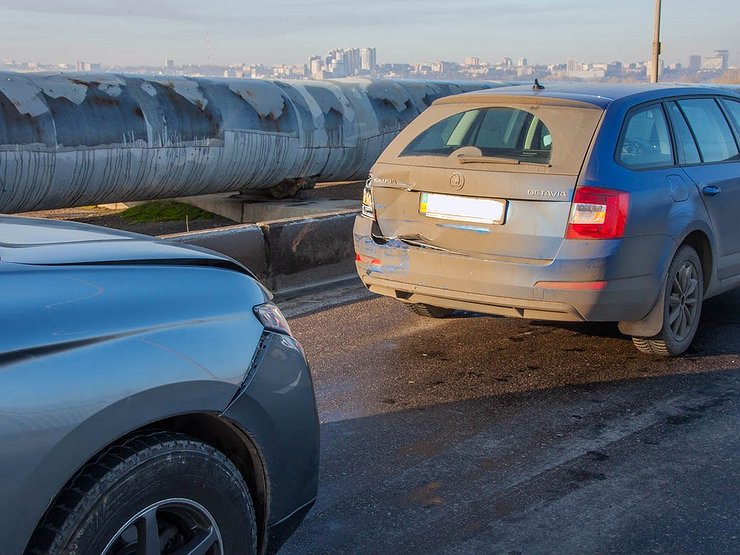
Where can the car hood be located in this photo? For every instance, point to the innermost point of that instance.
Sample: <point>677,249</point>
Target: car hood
<point>51,242</point>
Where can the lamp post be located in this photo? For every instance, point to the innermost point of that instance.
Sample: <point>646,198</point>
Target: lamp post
<point>656,44</point>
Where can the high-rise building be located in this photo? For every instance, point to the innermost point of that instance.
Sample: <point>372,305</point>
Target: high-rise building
<point>724,55</point>
<point>316,67</point>
<point>169,64</point>
<point>368,61</point>
<point>694,62</point>
<point>521,62</point>
<point>718,62</point>
<point>87,66</point>
<point>472,61</point>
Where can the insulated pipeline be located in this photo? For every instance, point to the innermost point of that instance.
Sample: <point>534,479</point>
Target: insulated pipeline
<point>77,139</point>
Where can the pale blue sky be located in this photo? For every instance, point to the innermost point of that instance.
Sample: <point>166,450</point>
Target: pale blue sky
<point>270,32</point>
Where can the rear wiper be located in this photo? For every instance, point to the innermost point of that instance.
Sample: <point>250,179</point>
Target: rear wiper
<point>497,160</point>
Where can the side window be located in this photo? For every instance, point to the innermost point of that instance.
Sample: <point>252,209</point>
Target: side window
<point>733,107</point>
<point>712,132</point>
<point>646,142</point>
<point>686,147</point>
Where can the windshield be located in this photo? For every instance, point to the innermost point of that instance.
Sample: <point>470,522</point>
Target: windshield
<point>498,132</point>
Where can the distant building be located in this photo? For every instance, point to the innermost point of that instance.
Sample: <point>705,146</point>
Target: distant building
<point>368,59</point>
<point>472,61</point>
<point>694,62</point>
<point>316,67</point>
<point>169,64</point>
<point>87,66</point>
<point>521,62</point>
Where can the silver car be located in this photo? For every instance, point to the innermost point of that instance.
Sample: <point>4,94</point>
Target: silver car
<point>152,399</point>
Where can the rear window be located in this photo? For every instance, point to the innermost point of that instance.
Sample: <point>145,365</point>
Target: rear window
<point>497,132</point>
<point>712,132</point>
<point>646,142</point>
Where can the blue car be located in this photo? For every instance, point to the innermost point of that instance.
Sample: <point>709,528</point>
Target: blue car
<point>152,399</point>
<point>564,202</point>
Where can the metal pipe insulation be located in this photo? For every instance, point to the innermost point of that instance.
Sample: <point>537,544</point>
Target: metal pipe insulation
<point>77,139</point>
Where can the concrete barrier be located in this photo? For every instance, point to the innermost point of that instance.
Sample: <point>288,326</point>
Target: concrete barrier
<point>244,243</point>
<point>307,251</point>
<point>286,255</point>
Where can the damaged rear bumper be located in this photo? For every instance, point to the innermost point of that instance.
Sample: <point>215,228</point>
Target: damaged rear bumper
<point>587,281</point>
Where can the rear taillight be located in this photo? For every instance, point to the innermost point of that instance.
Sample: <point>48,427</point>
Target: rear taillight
<point>368,207</point>
<point>598,214</point>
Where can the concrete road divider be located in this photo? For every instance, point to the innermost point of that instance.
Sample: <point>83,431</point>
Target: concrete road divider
<point>289,254</point>
<point>244,243</point>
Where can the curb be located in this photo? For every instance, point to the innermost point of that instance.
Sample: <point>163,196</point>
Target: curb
<point>286,255</point>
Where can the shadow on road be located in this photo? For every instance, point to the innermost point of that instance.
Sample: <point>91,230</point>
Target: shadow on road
<point>495,435</point>
<point>589,468</point>
<point>720,319</point>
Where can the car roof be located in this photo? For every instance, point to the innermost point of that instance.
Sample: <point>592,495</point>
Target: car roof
<point>596,94</point>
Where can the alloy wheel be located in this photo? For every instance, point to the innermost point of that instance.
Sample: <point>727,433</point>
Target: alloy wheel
<point>683,301</point>
<point>172,526</point>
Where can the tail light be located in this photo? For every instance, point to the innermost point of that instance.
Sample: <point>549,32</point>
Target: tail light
<point>368,207</point>
<point>598,214</point>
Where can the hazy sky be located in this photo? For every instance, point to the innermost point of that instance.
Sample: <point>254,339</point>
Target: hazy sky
<point>148,31</point>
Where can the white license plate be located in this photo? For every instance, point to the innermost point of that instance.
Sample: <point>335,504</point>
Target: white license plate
<point>463,209</point>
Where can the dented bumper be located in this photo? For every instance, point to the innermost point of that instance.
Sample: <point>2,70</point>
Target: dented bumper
<point>615,280</point>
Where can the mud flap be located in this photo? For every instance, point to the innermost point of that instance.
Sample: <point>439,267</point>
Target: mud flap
<point>651,324</point>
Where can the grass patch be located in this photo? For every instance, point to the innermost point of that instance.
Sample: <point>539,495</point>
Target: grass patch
<point>164,211</point>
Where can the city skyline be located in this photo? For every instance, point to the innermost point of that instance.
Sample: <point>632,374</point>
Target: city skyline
<point>138,32</point>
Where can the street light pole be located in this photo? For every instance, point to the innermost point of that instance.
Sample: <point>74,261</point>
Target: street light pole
<point>656,44</point>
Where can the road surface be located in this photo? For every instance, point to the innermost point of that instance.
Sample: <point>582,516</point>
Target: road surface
<point>479,434</point>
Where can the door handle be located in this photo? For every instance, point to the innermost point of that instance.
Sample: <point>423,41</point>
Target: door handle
<point>711,190</point>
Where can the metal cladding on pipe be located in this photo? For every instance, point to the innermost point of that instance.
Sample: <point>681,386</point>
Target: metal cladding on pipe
<point>76,139</point>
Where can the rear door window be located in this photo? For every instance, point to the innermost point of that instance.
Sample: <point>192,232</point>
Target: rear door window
<point>733,107</point>
<point>496,132</point>
<point>712,132</point>
<point>685,143</point>
<point>646,142</point>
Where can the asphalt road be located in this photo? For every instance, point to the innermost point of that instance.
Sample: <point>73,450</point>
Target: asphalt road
<point>490,435</point>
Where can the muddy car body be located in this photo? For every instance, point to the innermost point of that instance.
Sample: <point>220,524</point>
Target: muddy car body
<point>568,203</point>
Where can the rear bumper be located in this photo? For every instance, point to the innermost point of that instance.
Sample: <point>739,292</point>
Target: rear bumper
<point>616,280</point>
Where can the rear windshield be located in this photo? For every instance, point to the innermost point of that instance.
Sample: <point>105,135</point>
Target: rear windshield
<point>499,132</point>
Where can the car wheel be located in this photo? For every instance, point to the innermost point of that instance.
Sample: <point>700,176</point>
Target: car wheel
<point>684,295</point>
<point>158,493</point>
<point>430,311</point>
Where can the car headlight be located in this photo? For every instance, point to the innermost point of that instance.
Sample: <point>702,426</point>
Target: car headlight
<point>368,207</point>
<point>271,317</point>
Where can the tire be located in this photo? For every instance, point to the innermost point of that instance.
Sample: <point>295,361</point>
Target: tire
<point>684,294</point>
<point>430,311</point>
<point>187,489</point>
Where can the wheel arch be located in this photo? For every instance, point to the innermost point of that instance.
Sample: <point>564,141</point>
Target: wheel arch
<point>218,433</point>
<point>697,238</point>
<point>699,241</point>
<point>238,447</point>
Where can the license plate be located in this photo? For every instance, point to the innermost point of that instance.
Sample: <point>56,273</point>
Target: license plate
<point>463,209</point>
